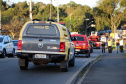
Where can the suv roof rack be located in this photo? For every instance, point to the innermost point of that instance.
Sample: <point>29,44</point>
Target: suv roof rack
<point>36,20</point>
<point>51,20</point>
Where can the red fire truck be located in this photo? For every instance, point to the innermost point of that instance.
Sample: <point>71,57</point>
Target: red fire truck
<point>94,37</point>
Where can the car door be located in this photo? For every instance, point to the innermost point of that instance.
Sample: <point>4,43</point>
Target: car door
<point>6,44</point>
<point>10,45</point>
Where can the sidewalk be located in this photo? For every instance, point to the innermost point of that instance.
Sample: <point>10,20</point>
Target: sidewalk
<point>110,69</point>
<point>96,55</point>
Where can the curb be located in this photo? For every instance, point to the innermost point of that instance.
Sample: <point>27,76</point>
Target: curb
<point>78,75</point>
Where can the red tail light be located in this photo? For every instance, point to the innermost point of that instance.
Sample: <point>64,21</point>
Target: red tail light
<point>19,45</point>
<point>62,46</point>
<point>86,45</point>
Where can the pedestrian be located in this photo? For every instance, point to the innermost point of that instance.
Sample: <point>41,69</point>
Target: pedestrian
<point>109,46</point>
<point>103,47</point>
<point>121,45</point>
<point>117,45</point>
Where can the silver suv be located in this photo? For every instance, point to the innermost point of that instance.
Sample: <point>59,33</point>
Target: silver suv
<point>43,43</point>
<point>6,47</point>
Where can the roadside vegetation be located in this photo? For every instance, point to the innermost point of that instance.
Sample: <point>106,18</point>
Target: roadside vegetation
<point>106,14</point>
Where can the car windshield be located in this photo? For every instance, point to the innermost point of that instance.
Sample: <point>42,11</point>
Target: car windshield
<point>78,38</point>
<point>15,43</point>
<point>1,39</point>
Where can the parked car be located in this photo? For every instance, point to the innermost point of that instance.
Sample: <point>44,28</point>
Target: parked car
<point>81,43</point>
<point>15,45</point>
<point>45,42</point>
<point>6,47</point>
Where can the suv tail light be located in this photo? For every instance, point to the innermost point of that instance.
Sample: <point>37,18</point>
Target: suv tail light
<point>19,45</point>
<point>62,46</point>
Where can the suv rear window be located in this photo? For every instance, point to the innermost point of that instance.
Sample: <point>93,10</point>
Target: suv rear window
<point>1,39</point>
<point>78,38</point>
<point>41,30</point>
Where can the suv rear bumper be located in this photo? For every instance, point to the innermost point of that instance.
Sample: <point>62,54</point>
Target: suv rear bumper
<point>49,57</point>
<point>81,51</point>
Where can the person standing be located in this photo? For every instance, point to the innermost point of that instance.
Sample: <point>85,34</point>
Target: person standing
<point>109,46</point>
<point>121,45</point>
<point>117,45</point>
<point>103,47</point>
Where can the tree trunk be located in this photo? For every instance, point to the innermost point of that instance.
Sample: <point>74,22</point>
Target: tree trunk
<point>112,25</point>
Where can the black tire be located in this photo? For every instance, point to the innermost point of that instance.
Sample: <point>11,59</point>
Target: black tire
<point>12,55</point>
<point>24,67</point>
<point>4,53</point>
<point>66,68</point>
<point>35,63</point>
<point>66,64</point>
<point>98,48</point>
<point>87,55</point>
<point>91,51</point>
<point>72,61</point>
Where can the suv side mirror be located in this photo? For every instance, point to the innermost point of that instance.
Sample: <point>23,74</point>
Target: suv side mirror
<point>73,38</point>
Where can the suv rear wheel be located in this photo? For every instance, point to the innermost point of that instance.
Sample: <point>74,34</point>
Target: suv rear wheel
<point>23,64</point>
<point>64,63</point>
<point>72,61</point>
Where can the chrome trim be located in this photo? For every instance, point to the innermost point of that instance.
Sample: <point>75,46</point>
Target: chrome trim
<point>44,52</point>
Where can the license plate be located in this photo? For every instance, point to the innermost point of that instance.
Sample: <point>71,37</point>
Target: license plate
<point>40,55</point>
<point>77,49</point>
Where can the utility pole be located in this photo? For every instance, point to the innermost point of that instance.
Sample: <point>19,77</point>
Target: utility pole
<point>70,22</point>
<point>30,10</point>
<point>50,10</point>
<point>57,12</point>
<point>86,26</point>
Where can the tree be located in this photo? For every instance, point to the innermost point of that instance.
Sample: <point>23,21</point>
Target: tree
<point>14,26</point>
<point>107,13</point>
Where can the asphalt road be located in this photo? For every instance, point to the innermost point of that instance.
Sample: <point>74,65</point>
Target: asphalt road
<point>111,69</point>
<point>42,74</point>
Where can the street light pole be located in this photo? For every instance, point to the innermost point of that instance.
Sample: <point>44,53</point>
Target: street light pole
<point>30,10</point>
<point>70,22</point>
<point>50,10</point>
<point>57,12</point>
<point>86,26</point>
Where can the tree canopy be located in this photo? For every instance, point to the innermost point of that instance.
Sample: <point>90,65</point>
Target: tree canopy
<point>107,14</point>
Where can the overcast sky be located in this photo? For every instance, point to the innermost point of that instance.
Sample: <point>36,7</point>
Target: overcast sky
<point>91,3</point>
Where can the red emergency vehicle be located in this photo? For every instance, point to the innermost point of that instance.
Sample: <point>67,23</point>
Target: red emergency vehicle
<point>94,37</point>
<point>81,43</point>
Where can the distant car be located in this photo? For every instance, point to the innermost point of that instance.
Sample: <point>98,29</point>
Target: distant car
<point>15,45</point>
<point>6,47</point>
<point>91,45</point>
<point>81,43</point>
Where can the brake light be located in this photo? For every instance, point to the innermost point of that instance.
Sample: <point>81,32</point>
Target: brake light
<point>62,46</point>
<point>19,45</point>
<point>41,22</point>
<point>87,46</point>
